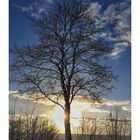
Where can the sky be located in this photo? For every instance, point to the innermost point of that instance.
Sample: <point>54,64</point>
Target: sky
<point>107,13</point>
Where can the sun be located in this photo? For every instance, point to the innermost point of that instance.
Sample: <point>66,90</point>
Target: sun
<point>57,117</point>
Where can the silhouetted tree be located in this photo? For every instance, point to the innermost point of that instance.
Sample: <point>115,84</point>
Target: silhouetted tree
<point>67,61</point>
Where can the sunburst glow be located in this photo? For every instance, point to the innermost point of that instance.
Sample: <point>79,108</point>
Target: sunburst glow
<point>57,116</point>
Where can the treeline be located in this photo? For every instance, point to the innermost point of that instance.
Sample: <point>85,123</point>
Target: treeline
<point>29,125</point>
<point>114,127</point>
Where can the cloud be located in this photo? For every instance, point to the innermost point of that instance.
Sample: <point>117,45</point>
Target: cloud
<point>36,98</point>
<point>119,16</point>
<point>126,108</point>
<point>116,52</point>
<point>94,9</point>
<point>13,92</point>
<point>79,100</point>
<point>126,36</point>
<point>97,110</point>
<point>80,104</point>
<point>118,13</point>
<point>26,9</point>
<point>118,49</point>
<point>36,8</point>
<point>115,102</point>
<point>115,24</point>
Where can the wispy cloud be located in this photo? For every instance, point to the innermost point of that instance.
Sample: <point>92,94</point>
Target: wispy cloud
<point>36,8</point>
<point>118,49</point>
<point>94,9</point>
<point>126,108</point>
<point>115,102</point>
<point>36,98</point>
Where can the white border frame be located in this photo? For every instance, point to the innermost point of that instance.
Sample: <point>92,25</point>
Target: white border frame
<point>4,89</point>
<point>4,69</point>
<point>135,94</point>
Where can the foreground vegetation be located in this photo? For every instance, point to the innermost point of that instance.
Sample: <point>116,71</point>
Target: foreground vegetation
<point>30,125</point>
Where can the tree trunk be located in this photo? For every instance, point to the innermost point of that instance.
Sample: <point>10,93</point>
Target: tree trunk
<point>67,122</point>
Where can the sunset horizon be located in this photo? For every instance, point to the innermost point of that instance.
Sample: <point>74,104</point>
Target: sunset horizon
<point>81,107</point>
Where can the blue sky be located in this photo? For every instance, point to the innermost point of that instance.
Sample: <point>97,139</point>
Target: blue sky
<point>107,13</point>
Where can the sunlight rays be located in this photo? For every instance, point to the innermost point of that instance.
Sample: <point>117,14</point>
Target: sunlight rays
<point>57,115</point>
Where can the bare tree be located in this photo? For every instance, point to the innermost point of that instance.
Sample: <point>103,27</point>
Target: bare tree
<point>67,61</point>
<point>89,128</point>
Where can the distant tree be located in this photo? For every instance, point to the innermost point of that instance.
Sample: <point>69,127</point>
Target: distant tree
<point>88,129</point>
<point>118,127</point>
<point>29,125</point>
<point>67,61</point>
